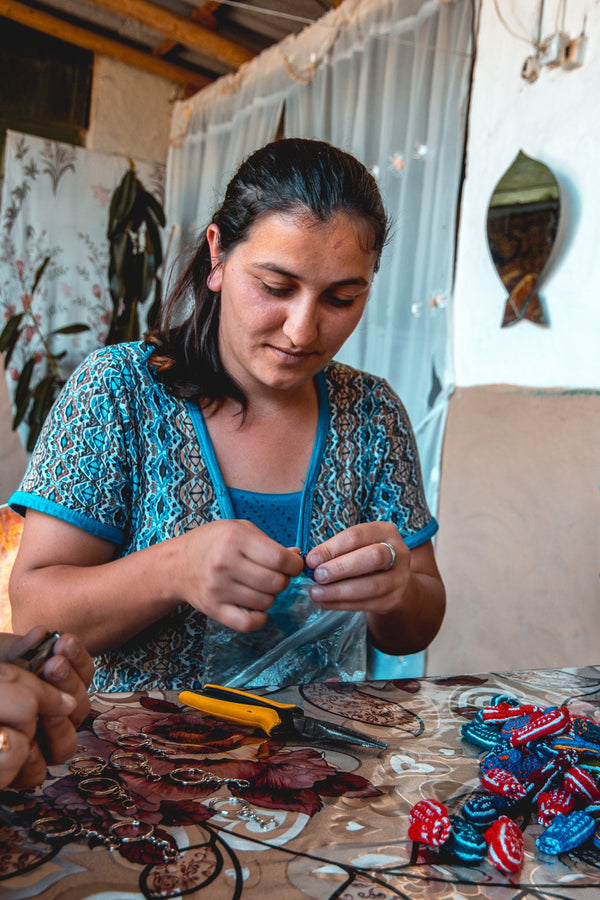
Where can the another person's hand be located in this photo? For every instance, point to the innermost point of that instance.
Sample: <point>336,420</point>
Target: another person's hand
<point>39,715</point>
<point>232,571</point>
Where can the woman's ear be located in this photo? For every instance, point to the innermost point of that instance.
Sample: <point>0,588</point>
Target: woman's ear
<point>213,237</point>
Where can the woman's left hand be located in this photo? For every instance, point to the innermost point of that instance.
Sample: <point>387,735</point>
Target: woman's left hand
<point>363,567</point>
<point>369,568</point>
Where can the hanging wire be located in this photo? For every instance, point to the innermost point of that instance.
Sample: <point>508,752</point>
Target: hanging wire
<point>268,12</point>
<point>514,34</point>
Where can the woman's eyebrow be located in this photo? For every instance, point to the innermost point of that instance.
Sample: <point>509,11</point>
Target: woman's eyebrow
<point>279,270</point>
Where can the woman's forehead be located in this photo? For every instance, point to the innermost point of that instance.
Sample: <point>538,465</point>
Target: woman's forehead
<point>304,221</point>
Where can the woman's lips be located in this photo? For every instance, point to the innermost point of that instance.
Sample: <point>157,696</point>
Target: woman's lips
<point>294,356</point>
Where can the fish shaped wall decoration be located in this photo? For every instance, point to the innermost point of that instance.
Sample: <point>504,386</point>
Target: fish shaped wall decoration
<point>522,224</point>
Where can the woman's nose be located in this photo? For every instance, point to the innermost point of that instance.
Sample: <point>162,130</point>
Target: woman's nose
<point>301,325</point>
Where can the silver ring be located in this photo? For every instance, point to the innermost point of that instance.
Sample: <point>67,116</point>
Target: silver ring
<point>393,557</point>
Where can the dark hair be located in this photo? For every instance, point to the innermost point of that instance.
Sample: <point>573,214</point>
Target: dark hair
<point>285,176</point>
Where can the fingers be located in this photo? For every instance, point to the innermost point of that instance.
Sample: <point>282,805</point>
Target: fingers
<point>14,752</point>
<point>73,650</point>
<point>234,571</point>
<point>24,698</point>
<point>71,670</point>
<point>362,550</point>
<point>58,738</point>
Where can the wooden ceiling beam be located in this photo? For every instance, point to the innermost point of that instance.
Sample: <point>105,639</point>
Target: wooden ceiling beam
<point>88,40</point>
<point>181,30</point>
<point>202,15</point>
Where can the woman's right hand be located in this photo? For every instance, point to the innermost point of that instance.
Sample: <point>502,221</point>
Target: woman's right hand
<point>228,569</point>
<point>38,719</point>
<point>232,572</point>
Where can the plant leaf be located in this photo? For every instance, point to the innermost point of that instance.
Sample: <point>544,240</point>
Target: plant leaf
<point>22,389</point>
<point>122,200</point>
<point>71,329</point>
<point>9,330</point>
<point>20,411</point>
<point>39,273</point>
<point>153,312</point>
<point>154,208</point>
<point>11,346</point>
<point>153,241</point>
<point>43,396</point>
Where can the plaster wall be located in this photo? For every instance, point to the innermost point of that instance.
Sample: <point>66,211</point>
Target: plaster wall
<point>130,111</point>
<point>556,120</point>
<point>519,509</point>
<point>519,540</point>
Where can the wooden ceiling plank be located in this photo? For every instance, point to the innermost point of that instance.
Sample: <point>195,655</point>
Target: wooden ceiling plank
<point>203,15</point>
<point>88,40</point>
<point>181,30</point>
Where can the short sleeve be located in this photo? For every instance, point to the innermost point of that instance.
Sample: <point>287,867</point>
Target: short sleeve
<point>370,469</point>
<point>397,493</point>
<point>79,469</point>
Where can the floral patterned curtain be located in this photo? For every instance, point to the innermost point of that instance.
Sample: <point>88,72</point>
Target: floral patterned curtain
<point>55,203</point>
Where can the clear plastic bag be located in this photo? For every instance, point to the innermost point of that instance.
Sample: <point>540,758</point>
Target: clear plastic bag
<point>299,644</point>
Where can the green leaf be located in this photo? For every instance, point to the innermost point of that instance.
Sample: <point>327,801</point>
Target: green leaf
<point>11,346</point>
<point>76,328</point>
<point>122,200</point>
<point>44,396</point>
<point>153,241</point>
<point>154,311</point>
<point>20,411</point>
<point>9,330</point>
<point>39,273</point>
<point>154,208</point>
<point>22,389</point>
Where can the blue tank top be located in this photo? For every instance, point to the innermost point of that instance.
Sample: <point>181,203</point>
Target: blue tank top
<point>275,514</point>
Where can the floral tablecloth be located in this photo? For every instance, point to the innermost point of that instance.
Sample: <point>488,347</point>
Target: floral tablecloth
<point>275,819</point>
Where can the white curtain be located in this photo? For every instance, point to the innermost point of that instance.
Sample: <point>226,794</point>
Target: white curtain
<point>218,135</point>
<point>394,92</point>
<point>387,80</point>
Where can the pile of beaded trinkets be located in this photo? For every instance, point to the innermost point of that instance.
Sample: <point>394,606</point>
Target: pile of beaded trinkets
<point>540,762</point>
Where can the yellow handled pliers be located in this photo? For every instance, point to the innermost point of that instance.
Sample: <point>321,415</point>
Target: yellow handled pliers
<point>285,720</point>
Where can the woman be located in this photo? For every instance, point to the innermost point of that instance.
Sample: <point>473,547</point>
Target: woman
<point>177,480</point>
<point>39,715</point>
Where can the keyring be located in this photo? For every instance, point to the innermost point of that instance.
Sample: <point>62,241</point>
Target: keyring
<point>136,763</point>
<point>87,765</point>
<point>130,831</point>
<point>191,775</point>
<point>49,827</point>
<point>135,740</point>
<point>106,787</point>
<point>100,787</point>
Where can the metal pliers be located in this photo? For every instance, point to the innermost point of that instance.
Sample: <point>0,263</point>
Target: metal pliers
<point>285,720</point>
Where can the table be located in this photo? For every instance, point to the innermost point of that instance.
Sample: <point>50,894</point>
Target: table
<point>275,820</point>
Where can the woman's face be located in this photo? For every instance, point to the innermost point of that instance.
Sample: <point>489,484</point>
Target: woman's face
<point>291,294</point>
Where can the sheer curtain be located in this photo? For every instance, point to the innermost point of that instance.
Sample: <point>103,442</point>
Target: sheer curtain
<point>210,135</point>
<point>387,80</point>
<point>394,92</point>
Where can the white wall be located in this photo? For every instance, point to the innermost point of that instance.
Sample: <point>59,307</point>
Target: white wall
<point>556,120</point>
<point>130,111</point>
